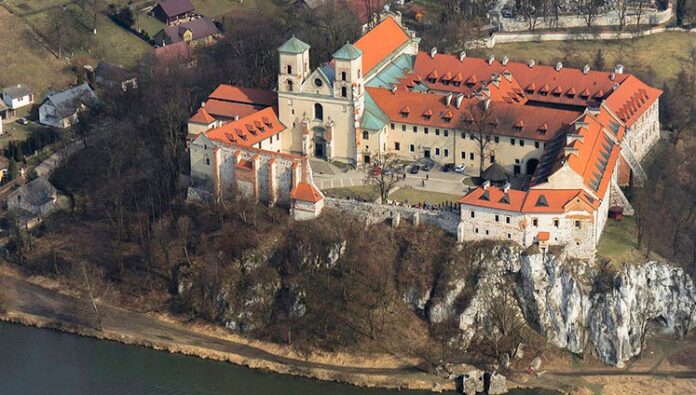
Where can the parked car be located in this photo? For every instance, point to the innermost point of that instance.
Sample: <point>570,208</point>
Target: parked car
<point>376,171</point>
<point>448,167</point>
<point>426,166</point>
<point>23,121</point>
<point>414,169</point>
<point>459,168</point>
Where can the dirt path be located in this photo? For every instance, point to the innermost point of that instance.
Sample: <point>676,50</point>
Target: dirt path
<point>33,304</point>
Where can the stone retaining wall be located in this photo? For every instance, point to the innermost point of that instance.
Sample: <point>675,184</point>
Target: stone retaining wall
<point>375,213</point>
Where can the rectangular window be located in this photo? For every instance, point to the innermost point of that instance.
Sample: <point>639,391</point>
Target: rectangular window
<point>415,129</point>
<point>403,128</point>
<point>412,148</point>
<point>446,153</point>
<point>492,158</point>
<point>392,126</point>
<point>577,224</point>
<point>446,132</point>
<point>471,136</point>
<point>536,144</point>
<point>512,141</point>
<point>425,130</point>
<point>535,222</point>
<point>521,143</point>
<point>497,218</point>
<point>437,151</point>
<point>473,214</point>
<point>397,146</point>
<point>463,155</point>
<point>437,132</point>
<point>556,222</point>
<point>471,156</point>
<point>496,139</point>
<point>463,135</point>
<point>507,220</point>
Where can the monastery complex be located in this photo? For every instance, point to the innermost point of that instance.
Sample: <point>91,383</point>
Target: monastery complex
<point>576,135</point>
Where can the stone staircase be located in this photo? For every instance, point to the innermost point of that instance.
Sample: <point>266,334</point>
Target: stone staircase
<point>633,162</point>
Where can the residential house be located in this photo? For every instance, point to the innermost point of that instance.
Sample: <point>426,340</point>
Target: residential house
<point>61,109</point>
<point>33,201</point>
<point>173,12</point>
<point>15,97</point>
<point>194,32</point>
<point>115,76</point>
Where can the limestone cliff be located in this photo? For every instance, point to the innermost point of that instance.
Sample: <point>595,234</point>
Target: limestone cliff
<point>561,300</point>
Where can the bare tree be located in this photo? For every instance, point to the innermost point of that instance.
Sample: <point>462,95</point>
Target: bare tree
<point>481,121</point>
<point>589,9</point>
<point>384,174</point>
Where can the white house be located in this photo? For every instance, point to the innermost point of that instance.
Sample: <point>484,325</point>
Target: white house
<point>61,109</point>
<point>17,96</point>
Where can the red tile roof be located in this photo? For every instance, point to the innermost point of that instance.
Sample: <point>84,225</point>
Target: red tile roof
<point>237,94</point>
<point>176,53</point>
<point>378,43</point>
<point>543,236</point>
<point>249,130</point>
<point>539,81</point>
<point>534,119</point>
<point>631,99</point>
<point>540,201</point>
<point>227,109</point>
<point>306,192</point>
<point>202,116</point>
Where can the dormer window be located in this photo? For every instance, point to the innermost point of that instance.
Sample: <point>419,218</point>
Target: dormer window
<point>542,202</point>
<point>405,111</point>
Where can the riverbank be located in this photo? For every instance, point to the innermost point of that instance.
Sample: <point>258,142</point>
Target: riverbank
<point>31,304</point>
<point>668,367</point>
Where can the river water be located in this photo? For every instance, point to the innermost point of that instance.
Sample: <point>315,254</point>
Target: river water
<point>41,361</point>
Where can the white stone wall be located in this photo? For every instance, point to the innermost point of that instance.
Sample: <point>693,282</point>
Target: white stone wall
<point>651,17</point>
<point>645,132</point>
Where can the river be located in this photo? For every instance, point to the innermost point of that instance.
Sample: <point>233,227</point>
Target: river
<point>41,361</point>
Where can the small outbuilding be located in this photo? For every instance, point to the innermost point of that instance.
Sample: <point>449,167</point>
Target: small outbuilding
<point>173,12</point>
<point>495,173</point>
<point>61,109</point>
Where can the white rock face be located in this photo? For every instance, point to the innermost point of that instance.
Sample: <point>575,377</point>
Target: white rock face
<point>610,324</point>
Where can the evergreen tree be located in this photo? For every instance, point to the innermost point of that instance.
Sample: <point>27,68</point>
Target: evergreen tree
<point>599,63</point>
<point>12,169</point>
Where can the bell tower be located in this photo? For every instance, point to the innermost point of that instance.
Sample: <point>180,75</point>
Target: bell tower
<point>294,65</point>
<point>349,73</point>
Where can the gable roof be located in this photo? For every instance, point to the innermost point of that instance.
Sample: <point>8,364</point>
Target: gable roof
<point>17,91</point>
<point>36,192</point>
<point>70,100</point>
<point>293,46</point>
<point>382,40</point>
<point>539,201</point>
<point>175,7</point>
<point>202,116</point>
<point>178,52</point>
<point>250,129</point>
<point>631,99</point>
<point>238,94</point>
<point>200,28</point>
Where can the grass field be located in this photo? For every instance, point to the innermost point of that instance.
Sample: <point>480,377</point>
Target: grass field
<point>24,60</point>
<point>414,196</point>
<point>662,52</point>
<point>618,240</point>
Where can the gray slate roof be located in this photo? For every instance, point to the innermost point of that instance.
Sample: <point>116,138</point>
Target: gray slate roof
<point>17,91</point>
<point>495,172</point>
<point>70,100</point>
<point>175,7</point>
<point>37,192</point>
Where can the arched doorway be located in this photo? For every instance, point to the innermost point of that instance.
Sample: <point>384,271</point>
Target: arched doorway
<point>319,142</point>
<point>531,166</point>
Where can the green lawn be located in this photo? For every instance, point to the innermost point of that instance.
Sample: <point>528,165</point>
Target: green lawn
<point>618,240</point>
<point>662,52</point>
<point>148,23</point>
<point>414,196</point>
<point>361,192</point>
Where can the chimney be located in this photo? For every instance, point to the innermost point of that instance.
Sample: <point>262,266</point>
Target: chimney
<point>618,69</point>
<point>448,99</point>
<point>393,89</point>
<point>486,104</point>
<point>616,85</point>
<point>586,69</point>
<point>486,184</point>
<point>458,100</point>
<point>462,55</point>
<point>612,76</point>
<point>531,63</point>
<point>236,117</point>
<point>491,59</point>
<point>202,104</point>
<point>559,66</point>
<point>505,60</point>
<point>433,52</point>
<point>506,187</point>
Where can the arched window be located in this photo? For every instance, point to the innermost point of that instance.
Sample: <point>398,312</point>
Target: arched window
<point>344,91</point>
<point>289,69</point>
<point>343,75</point>
<point>366,135</point>
<point>289,85</point>
<point>318,112</point>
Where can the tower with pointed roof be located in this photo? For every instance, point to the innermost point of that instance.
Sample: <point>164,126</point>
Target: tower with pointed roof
<point>349,73</point>
<point>294,65</point>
